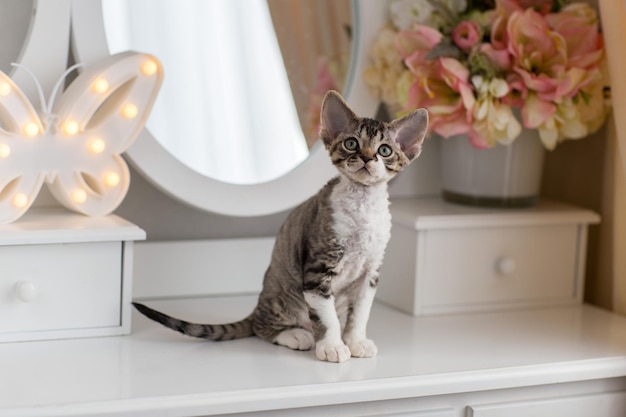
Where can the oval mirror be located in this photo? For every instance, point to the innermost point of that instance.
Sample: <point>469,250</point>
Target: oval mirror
<point>150,157</point>
<point>227,108</point>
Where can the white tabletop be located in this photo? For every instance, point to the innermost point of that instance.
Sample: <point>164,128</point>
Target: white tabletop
<point>157,372</point>
<point>434,213</point>
<point>43,225</point>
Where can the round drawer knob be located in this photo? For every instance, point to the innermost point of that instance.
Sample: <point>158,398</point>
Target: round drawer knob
<point>26,291</point>
<point>506,265</point>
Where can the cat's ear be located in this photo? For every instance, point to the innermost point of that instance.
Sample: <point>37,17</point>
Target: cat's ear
<point>409,132</point>
<point>336,117</point>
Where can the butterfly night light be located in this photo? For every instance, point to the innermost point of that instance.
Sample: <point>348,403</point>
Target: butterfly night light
<point>74,143</point>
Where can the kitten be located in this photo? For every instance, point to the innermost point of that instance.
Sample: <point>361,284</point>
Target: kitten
<point>319,287</point>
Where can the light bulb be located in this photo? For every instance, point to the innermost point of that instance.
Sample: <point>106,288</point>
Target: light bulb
<point>20,200</point>
<point>5,150</point>
<point>5,89</point>
<point>79,196</point>
<point>97,145</point>
<point>70,128</point>
<point>149,67</point>
<point>100,85</point>
<point>112,179</point>
<point>31,129</point>
<point>130,111</point>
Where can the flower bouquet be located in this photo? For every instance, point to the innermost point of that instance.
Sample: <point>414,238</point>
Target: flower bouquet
<point>488,68</point>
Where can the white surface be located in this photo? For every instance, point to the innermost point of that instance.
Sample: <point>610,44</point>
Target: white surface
<point>434,213</point>
<point>604,405</point>
<point>65,275</point>
<point>42,225</point>
<point>157,372</point>
<point>506,171</point>
<point>45,49</point>
<point>461,266</point>
<point>446,257</point>
<point>215,267</point>
<point>193,268</point>
<point>74,286</point>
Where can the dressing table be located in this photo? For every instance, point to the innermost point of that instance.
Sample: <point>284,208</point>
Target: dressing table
<point>555,359</point>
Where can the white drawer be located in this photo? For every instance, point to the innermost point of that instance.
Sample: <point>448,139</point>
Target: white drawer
<point>602,405</point>
<point>64,275</point>
<point>60,287</point>
<point>445,258</point>
<point>496,265</point>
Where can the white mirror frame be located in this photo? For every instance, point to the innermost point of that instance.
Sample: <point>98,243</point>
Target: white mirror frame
<point>177,180</point>
<point>45,48</point>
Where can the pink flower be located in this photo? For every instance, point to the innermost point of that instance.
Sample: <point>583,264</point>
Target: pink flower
<point>499,58</point>
<point>577,23</point>
<point>541,6</point>
<point>504,9</point>
<point>443,86</point>
<point>539,54</point>
<point>536,111</point>
<point>574,80</point>
<point>466,35</point>
<point>422,39</point>
<point>521,58</point>
<point>519,92</point>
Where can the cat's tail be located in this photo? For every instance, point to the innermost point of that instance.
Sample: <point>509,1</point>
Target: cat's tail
<point>236,330</point>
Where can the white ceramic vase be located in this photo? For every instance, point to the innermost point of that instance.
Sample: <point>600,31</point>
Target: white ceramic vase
<point>502,176</point>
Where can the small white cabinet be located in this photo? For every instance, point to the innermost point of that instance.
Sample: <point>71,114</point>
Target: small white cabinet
<point>65,275</point>
<point>445,258</point>
<point>612,404</point>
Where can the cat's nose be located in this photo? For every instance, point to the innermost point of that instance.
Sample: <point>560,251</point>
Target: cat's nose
<point>367,155</point>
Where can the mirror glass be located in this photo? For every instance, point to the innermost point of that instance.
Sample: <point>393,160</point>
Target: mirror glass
<point>243,79</point>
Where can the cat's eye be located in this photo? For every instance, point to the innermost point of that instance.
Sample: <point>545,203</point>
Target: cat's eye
<point>351,144</point>
<point>385,151</point>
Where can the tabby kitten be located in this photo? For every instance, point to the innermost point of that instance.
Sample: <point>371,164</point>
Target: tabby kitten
<point>319,287</point>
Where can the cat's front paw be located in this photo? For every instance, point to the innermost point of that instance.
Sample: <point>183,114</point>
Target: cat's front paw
<point>332,352</point>
<point>364,348</point>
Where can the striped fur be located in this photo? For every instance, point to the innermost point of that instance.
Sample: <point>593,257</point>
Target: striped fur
<point>216,332</point>
<point>323,273</point>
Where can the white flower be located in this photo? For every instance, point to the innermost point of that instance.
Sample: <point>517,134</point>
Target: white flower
<point>493,120</point>
<point>382,77</point>
<point>406,13</point>
<point>496,87</point>
<point>564,123</point>
<point>457,6</point>
<point>572,126</point>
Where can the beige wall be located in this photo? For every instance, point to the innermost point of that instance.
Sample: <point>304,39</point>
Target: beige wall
<point>576,173</point>
<point>592,173</point>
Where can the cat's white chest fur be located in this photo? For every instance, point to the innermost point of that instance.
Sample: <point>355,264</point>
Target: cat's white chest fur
<point>362,223</point>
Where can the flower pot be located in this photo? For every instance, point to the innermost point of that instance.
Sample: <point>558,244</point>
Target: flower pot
<point>502,176</point>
